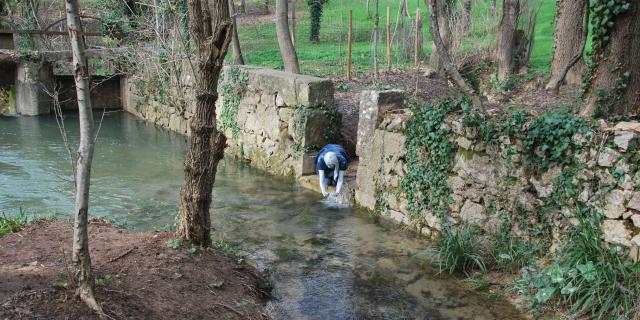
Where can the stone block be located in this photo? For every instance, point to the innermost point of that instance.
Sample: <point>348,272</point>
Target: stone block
<point>616,232</point>
<point>373,106</point>
<point>634,202</point>
<point>623,139</point>
<point>614,204</point>
<point>608,157</point>
<point>472,213</point>
<point>477,167</point>
<point>314,92</point>
<point>636,220</point>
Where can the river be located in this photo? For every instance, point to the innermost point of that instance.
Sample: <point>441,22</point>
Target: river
<point>327,262</point>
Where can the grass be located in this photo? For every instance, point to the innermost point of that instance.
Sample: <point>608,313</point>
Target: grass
<point>595,279</point>
<point>328,58</point>
<point>14,223</point>
<point>459,250</point>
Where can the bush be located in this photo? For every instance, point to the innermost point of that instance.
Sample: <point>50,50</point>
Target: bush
<point>459,250</point>
<point>594,278</point>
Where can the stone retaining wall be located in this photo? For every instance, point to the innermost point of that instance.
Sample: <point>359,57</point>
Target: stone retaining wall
<point>486,179</point>
<point>274,120</point>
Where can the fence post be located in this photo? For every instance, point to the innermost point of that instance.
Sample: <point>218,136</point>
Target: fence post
<point>349,39</point>
<point>416,56</point>
<point>388,39</point>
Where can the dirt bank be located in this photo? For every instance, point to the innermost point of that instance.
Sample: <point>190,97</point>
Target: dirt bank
<point>138,277</point>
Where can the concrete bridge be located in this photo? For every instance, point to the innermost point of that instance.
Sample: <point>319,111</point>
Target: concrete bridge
<point>34,76</point>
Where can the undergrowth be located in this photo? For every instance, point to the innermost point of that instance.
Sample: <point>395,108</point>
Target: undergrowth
<point>459,250</point>
<point>594,278</point>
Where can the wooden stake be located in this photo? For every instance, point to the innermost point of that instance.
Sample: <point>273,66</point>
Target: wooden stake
<point>388,39</point>
<point>416,57</point>
<point>349,44</point>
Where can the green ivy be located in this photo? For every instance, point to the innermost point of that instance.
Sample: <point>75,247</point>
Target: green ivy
<point>550,135</point>
<point>429,158</point>
<point>232,92</point>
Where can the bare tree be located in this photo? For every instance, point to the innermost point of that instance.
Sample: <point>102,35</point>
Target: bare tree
<point>211,34</point>
<point>572,19</point>
<point>235,41</point>
<point>80,257</point>
<point>288,52</point>
<point>444,57</point>
<point>465,18</point>
<point>614,88</point>
<point>507,38</point>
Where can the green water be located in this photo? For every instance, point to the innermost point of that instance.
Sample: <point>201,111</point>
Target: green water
<point>327,262</point>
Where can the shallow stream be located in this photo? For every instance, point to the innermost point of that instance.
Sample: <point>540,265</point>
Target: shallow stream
<point>328,262</point>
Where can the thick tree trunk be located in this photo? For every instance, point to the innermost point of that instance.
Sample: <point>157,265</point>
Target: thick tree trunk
<point>444,12</point>
<point>211,33</point>
<point>444,57</point>
<point>235,41</point>
<point>80,256</point>
<point>465,17</point>
<point>507,38</point>
<point>615,88</point>
<point>570,39</point>
<point>288,52</point>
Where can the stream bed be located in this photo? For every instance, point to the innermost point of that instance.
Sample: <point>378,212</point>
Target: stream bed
<point>327,262</point>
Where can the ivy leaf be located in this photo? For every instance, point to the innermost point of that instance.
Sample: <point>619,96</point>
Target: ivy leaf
<point>557,274</point>
<point>568,289</point>
<point>543,295</point>
<point>587,271</point>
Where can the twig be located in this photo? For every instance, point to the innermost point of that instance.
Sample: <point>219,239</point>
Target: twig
<point>121,256</point>
<point>229,308</point>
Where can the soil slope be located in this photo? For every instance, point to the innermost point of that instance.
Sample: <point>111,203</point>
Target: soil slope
<point>138,277</point>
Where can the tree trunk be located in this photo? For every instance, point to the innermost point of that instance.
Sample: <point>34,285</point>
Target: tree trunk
<point>368,9</point>
<point>570,39</point>
<point>444,12</point>
<point>211,33</point>
<point>243,6</point>
<point>444,57</point>
<point>507,39</point>
<point>615,86</point>
<point>288,52</point>
<point>235,41</point>
<point>466,17</point>
<point>266,6</point>
<point>293,22</point>
<point>80,256</point>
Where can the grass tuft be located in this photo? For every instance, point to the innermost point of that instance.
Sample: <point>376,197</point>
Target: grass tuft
<point>459,250</point>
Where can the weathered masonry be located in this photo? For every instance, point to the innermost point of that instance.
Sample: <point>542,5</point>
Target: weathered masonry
<point>274,120</point>
<point>488,178</point>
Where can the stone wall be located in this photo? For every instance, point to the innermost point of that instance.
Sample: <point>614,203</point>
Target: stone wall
<point>487,179</point>
<point>274,120</point>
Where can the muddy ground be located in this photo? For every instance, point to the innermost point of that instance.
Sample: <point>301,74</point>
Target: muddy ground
<point>138,277</point>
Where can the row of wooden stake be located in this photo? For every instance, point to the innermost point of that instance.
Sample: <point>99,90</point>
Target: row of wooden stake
<point>416,56</point>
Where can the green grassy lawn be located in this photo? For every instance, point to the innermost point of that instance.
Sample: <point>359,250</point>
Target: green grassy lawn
<point>329,57</point>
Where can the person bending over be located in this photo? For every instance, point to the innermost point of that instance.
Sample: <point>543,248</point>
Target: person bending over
<point>331,163</point>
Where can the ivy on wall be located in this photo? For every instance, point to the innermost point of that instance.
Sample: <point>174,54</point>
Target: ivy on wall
<point>232,92</point>
<point>429,158</point>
